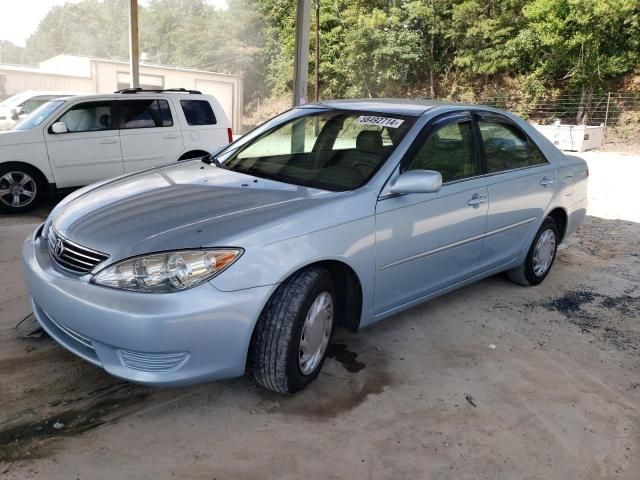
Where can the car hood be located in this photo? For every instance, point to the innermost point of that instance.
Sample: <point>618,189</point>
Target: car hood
<point>17,137</point>
<point>188,205</point>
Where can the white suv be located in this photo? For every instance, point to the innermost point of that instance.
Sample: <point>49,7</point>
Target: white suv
<point>74,141</point>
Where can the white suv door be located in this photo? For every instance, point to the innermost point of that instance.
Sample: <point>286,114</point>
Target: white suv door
<point>149,134</point>
<point>90,149</point>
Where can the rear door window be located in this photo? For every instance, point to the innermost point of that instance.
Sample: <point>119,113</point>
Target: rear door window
<point>507,148</point>
<point>145,113</point>
<point>198,112</point>
<point>536,157</point>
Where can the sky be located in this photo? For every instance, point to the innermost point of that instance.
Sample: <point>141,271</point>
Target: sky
<point>20,19</point>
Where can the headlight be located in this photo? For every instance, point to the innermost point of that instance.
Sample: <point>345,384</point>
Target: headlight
<point>168,271</point>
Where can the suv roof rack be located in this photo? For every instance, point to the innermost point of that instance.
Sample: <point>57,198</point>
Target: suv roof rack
<point>159,90</point>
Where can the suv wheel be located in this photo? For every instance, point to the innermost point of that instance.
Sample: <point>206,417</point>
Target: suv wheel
<point>289,344</point>
<point>21,188</point>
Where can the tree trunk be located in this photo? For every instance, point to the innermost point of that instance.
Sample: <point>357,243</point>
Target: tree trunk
<point>582,117</point>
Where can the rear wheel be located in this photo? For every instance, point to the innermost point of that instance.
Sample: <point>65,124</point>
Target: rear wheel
<point>540,257</point>
<point>21,188</point>
<point>289,344</point>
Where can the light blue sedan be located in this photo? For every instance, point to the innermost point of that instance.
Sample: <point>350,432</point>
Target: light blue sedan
<point>341,213</point>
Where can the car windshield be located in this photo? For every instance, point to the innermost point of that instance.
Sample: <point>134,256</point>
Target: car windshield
<point>14,101</point>
<point>39,115</point>
<point>335,150</point>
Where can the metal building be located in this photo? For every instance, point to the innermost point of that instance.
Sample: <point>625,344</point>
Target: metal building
<point>97,75</point>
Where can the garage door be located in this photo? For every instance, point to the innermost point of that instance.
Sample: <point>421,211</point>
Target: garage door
<point>223,91</point>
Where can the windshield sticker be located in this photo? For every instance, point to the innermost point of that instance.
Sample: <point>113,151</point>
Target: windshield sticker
<point>379,121</point>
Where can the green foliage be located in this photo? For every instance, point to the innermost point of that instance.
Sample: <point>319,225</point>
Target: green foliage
<point>367,47</point>
<point>91,27</point>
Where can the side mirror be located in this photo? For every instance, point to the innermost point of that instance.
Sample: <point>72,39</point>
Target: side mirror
<point>59,127</point>
<point>417,181</point>
<point>16,112</point>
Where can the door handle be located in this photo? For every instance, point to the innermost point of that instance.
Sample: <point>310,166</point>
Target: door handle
<point>171,136</point>
<point>108,140</point>
<point>477,199</point>
<point>546,181</point>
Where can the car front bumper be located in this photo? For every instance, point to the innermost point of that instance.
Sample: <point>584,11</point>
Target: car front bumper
<point>170,339</point>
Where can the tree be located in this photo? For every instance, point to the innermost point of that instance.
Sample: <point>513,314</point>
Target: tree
<point>580,43</point>
<point>11,53</point>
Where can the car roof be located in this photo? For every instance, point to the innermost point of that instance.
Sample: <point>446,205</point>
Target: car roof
<point>398,106</point>
<point>133,96</point>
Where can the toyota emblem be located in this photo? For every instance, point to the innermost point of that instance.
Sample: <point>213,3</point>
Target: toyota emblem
<point>58,248</point>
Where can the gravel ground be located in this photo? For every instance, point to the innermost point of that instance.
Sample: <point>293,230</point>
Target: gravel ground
<point>491,381</point>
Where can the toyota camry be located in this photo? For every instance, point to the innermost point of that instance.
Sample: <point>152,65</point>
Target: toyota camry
<point>341,213</point>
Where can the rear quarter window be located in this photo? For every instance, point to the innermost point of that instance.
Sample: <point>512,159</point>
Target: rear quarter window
<point>198,112</point>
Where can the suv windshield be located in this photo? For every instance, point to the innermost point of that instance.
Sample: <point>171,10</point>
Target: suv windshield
<point>39,115</point>
<point>334,150</point>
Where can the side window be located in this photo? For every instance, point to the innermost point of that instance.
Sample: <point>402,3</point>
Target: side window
<point>145,113</point>
<point>448,151</point>
<point>198,112</point>
<point>88,117</point>
<point>536,157</point>
<point>505,147</point>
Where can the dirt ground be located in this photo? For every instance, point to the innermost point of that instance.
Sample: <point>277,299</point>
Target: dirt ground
<point>492,381</point>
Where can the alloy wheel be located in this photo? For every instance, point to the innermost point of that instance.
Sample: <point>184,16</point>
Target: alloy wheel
<point>17,189</point>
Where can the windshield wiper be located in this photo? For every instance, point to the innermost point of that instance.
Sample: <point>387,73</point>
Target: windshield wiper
<point>210,159</point>
<point>213,159</point>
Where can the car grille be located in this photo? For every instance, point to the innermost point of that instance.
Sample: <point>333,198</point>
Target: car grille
<point>71,255</point>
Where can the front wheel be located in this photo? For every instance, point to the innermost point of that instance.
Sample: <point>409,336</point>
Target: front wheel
<point>540,257</point>
<point>21,188</point>
<point>291,338</point>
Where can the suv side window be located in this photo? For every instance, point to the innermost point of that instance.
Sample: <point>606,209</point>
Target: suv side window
<point>449,151</point>
<point>505,147</point>
<point>145,113</point>
<point>88,117</point>
<point>198,112</point>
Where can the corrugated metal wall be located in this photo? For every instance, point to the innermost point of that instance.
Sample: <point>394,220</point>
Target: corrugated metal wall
<point>107,76</point>
<point>19,80</point>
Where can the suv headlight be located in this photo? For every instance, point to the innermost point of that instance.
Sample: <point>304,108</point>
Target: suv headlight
<point>167,271</point>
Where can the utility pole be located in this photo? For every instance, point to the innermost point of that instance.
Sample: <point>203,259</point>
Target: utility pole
<point>606,116</point>
<point>301,65</point>
<point>317,52</point>
<point>134,45</point>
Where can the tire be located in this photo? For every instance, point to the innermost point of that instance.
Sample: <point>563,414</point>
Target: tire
<point>16,181</point>
<point>276,359</point>
<point>531,272</point>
